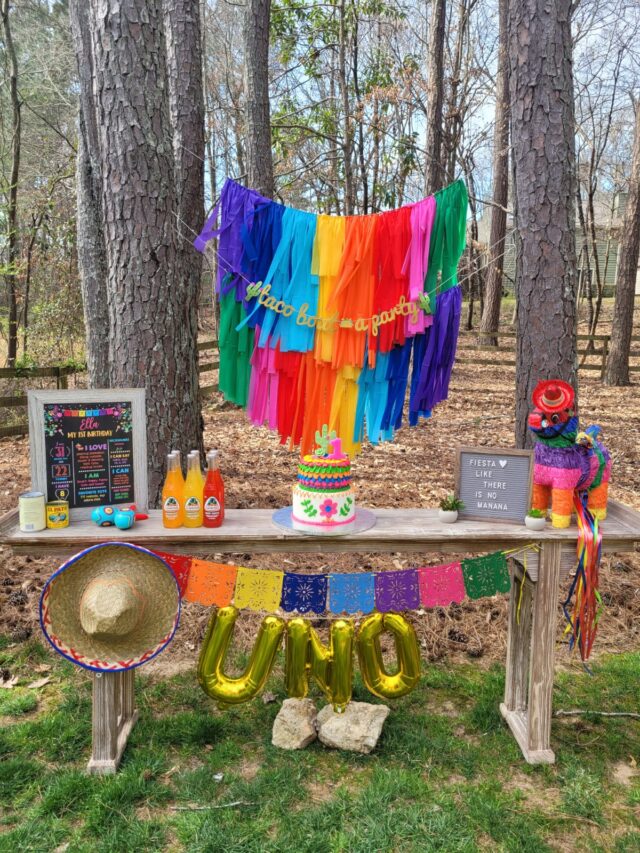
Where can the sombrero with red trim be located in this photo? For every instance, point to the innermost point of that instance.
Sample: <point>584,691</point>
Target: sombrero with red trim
<point>111,607</point>
<point>553,395</point>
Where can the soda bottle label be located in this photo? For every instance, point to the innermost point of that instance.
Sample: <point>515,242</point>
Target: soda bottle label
<point>171,507</point>
<point>192,507</point>
<point>212,508</point>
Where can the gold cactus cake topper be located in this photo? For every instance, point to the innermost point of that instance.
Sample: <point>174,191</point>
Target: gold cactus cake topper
<point>324,440</point>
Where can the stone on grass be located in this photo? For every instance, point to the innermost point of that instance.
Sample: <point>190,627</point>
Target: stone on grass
<point>357,729</point>
<point>295,725</point>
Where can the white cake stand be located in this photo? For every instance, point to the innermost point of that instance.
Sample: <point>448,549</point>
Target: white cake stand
<point>364,520</point>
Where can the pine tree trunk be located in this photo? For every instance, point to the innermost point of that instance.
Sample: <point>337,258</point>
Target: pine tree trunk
<point>11,262</point>
<point>493,294</point>
<point>186,108</point>
<point>92,261</point>
<point>617,370</point>
<point>434,169</point>
<point>148,318</point>
<point>256,60</point>
<point>542,133</point>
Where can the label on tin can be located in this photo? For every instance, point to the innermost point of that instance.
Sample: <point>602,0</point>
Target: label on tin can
<point>31,512</point>
<point>57,514</point>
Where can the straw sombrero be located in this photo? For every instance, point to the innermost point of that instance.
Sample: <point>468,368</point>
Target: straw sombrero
<point>111,607</point>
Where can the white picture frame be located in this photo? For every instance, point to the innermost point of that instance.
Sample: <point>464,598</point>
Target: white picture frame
<point>83,397</point>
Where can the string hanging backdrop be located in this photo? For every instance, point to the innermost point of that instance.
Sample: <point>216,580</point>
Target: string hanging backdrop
<point>328,319</point>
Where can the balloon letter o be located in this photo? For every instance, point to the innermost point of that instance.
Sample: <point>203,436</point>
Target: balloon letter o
<point>374,675</point>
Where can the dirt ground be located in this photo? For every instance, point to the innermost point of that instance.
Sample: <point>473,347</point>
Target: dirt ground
<point>416,470</point>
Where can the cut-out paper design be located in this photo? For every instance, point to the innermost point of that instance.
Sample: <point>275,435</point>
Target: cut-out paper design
<point>180,565</point>
<point>352,593</point>
<point>397,590</point>
<point>304,593</point>
<point>257,589</point>
<point>441,585</point>
<point>211,583</point>
<point>485,576</point>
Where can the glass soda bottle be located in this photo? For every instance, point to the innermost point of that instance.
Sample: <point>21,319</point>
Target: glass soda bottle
<point>173,494</point>
<point>213,492</point>
<point>193,487</point>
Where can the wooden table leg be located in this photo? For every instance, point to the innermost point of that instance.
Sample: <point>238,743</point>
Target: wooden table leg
<point>516,688</point>
<point>114,716</point>
<point>530,718</point>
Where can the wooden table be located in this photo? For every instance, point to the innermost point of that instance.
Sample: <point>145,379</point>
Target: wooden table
<point>527,705</point>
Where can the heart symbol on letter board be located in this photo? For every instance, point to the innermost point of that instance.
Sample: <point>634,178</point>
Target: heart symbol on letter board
<point>502,462</point>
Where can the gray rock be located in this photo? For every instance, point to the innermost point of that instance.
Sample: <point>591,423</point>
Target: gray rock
<point>357,729</point>
<point>295,725</point>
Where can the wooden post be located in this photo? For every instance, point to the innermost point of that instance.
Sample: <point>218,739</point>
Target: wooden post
<point>114,716</point>
<point>516,688</point>
<point>605,353</point>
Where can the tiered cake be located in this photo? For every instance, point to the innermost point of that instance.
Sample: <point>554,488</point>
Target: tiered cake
<point>323,499</point>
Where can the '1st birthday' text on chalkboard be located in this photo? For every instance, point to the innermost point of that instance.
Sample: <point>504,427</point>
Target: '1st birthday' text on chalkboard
<point>494,483</point>
<point>89,450</point>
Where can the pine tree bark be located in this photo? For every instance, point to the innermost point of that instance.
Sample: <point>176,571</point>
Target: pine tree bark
<point>493,293</point>
<point>139,202</point>
<point>617,369</point>
<point>256,59</point>
<point>542,133</point>
<point>11,263</point>
<point>92,261</point>
<point>186,107</point>
<point>434,168</point>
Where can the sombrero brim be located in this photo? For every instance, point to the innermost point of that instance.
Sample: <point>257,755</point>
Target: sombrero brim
<point>60,607</point>
<point>565,400</point>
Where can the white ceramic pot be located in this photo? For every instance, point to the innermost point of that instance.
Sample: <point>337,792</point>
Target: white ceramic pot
<point>448,515</point>
<point>534,523</point>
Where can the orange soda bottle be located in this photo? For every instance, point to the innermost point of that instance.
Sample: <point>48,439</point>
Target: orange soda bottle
<point>213,492</point>
<point>173,494</point>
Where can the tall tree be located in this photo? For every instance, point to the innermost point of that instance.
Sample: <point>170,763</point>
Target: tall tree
<point>150,317</point>
<point>92,259</point>
<point>434,167</point>
<point>256,61</point>
<point>617,370</point>
<point>542,133</point>
<point>493,293</point>
<point>11,261</point>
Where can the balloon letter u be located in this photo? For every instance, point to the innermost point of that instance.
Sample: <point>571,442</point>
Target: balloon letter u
<point>232,691</point>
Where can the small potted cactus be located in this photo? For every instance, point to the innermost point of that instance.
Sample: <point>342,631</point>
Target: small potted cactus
<point>535,519</point>
<point>449,508</point>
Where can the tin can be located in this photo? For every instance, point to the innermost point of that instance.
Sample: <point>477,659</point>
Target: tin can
<point>31,512</point>
<point>57,514</point>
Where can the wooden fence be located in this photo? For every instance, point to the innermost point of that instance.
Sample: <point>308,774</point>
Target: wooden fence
<point>468,345</point>
<point>61,376</point>
<point>467,349</point>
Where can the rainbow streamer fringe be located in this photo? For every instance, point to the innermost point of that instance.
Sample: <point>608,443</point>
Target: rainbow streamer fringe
<point>582,622</point>
<point>343,355</point>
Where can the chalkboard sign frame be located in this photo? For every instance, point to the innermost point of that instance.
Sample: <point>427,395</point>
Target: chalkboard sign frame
<point>497,453</point>
<point>38,399</point>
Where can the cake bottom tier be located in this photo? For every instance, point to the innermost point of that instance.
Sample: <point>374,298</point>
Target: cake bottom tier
<point>323,513</point>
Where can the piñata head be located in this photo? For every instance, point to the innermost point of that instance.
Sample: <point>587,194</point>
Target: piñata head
<point>568,465</point>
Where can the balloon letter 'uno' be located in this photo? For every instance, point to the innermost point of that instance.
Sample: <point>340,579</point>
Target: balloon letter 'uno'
<point>232,691</point>
<point>374,675</point>
<point>331,668</point>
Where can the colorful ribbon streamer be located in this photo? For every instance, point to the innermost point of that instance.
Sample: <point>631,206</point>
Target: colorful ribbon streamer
<point>323,319</point>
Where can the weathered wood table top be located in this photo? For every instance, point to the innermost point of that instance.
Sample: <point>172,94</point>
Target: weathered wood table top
<point>253,530</point>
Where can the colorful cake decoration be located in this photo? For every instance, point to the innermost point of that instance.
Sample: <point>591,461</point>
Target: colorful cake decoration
<point>323,499</point>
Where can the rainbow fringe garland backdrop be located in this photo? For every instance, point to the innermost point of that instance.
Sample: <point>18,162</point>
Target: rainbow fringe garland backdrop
<point>220,584</point>
<point>323,319</point>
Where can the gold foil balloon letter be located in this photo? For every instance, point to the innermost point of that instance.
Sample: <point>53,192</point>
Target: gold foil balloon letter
<point>232,691</point>
<point>374,675</point>
<point>331,668</point>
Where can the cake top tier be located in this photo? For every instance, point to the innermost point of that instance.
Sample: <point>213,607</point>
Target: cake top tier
<point>319,473</point>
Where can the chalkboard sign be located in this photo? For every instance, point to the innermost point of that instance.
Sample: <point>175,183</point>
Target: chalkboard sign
<point>495,484</point>
<point>88,447</point>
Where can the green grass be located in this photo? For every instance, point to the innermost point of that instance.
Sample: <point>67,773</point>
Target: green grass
<point>446,776</point>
